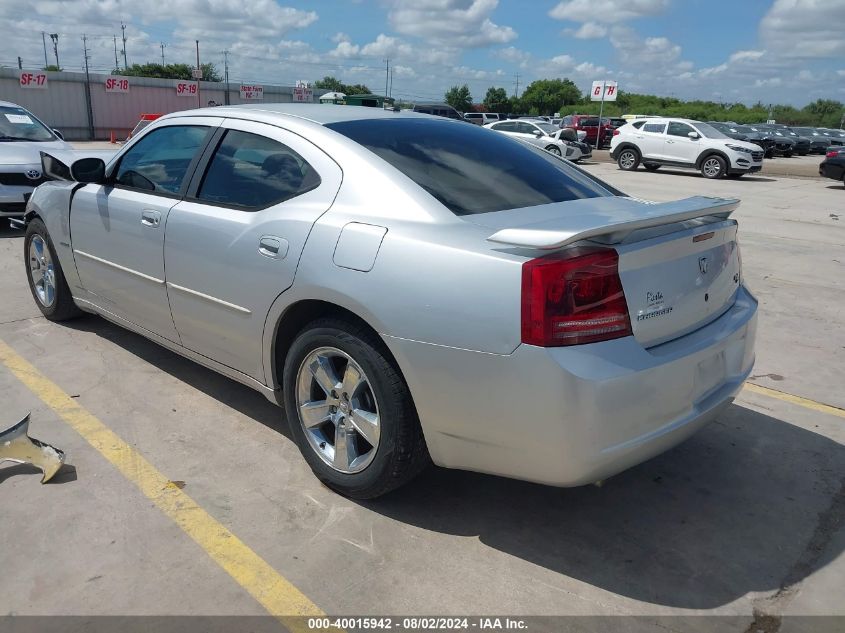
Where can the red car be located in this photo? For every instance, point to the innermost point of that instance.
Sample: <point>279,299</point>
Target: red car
<point>590,124</point>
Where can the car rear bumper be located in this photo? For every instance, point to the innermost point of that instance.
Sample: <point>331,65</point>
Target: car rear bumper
<point>569,416</point>
<point>832,170</point>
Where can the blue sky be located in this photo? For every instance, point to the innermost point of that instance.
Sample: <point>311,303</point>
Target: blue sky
<point>774,51</point>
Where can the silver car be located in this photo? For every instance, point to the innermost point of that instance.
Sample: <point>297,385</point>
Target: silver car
<point>22,137</point>
<point>544,135</point>
<point>409,288</point>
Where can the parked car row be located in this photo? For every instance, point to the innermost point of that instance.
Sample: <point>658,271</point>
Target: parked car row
<point>783,140</point>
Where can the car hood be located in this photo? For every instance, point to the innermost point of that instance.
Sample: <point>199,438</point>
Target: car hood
<point>29,152</point>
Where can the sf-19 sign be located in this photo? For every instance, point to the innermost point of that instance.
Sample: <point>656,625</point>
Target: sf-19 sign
<point>603,91</point>
<point>33,80</point>
<point>117,84</point>
<point>251,92</point>
<point>186,89</point>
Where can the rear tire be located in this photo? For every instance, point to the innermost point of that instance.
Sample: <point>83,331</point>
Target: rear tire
<point>629,159</point>
<point>389,449</point>
<point>651,166</point>
<point>787,155</point>
<point>44,272</point>
<point>736,176</point>
<point>713,167</point>
<point>554,149</point>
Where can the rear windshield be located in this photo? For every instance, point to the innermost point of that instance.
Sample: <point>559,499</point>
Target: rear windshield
<point>470,169</point>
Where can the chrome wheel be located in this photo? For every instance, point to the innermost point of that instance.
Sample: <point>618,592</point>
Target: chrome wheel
<point>42,272</point>
<point>711,167</point>
<point>627,160</point>
<point>338,410</point>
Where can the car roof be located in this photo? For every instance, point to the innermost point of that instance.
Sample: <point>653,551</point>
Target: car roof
<point>10,104</point>
<point>322,114</point>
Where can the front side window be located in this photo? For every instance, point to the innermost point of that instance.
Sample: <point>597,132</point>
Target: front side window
<point>506,126</point>
<point>159,161</point>
<point>469,170</point>
<point>679,129</point>
<point>656,128</point>
<point>254,172</point>
<point>16,124</point>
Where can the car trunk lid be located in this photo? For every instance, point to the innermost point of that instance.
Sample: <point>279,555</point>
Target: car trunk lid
<point>678,261</point>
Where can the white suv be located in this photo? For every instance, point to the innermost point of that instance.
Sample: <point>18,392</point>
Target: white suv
<point>655,142</point>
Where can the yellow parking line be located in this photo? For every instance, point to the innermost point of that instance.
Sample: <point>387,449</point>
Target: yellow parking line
<point>788,397</point>
<point>248,569</point>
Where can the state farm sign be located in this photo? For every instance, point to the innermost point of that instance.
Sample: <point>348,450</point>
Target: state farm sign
<point>33,80</point>
<point>117,84</point>
<point>251,92</point>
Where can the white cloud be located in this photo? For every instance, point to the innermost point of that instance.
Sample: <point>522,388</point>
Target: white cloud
<point>740,56</point>
<point>607,11</point>
<point>768,83</point>
<point>805,28</point>
<point>590,31</point>
<point>455,23</point>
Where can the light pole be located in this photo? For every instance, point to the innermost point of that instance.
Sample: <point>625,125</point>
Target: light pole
<point>55,38</point>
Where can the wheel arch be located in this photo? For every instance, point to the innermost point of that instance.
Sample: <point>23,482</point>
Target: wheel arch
<point>710,152</point>
<point>627,145</point>
<point>294,318</point>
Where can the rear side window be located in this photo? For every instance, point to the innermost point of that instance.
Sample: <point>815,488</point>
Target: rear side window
<point>254,172</point>
<point>159,161</point>
<point>637,124</point>
<point>657,128</point>
<point>505,126</point>
<point>468,169</point>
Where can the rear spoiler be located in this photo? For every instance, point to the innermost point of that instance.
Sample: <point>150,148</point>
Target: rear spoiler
<point>551,234</point>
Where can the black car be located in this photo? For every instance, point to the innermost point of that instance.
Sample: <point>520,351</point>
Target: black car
<point>836,138</point>
<point>784,144</point>
<point>803,143</point>
<point>748,134</point>
<point>818,141</point>
<point>833,166</point>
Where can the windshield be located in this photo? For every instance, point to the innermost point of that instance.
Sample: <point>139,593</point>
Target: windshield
<point>709,131</point>
<point>16,124</point>
<point>743,129</point>
<point>548,128</point>
<point>469,169</point>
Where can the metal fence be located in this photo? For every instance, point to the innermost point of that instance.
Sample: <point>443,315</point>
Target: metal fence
<point>62,101</point>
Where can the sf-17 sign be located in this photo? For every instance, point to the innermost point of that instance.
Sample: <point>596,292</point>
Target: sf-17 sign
<point>603,91</point>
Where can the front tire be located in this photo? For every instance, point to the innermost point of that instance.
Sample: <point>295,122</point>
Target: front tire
<point>350,410</point>
<point>44,272</point>
<point>713,167</point>
<point>629,159</point>
<point>554,149</point>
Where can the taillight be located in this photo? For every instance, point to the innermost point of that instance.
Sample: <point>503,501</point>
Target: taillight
<point>832,154</point>
<point>570,299</point>
<point>615,132</point>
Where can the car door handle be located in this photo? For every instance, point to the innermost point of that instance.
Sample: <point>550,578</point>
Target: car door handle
<point>670,142</point>
<point>273,247</point>
<point>150,217</point>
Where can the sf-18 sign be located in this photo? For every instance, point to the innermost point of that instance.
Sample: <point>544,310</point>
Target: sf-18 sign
<point>117,84</point>
<point>186,89</point>
<point>607,89</point>
<point>251,93</point>
<point>33,80</point>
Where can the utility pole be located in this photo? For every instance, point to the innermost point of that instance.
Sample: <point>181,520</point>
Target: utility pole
<point>390,93</point>
<point>55,38</point>
<point>199,72</point>
<point>116,65</point>
<point>163,46</point>
<point>44,42</point>
<point>516,92</point>
<point>123,37</point>
<point>386,75</point>
<point>88,90</point>
<point>226,76</point>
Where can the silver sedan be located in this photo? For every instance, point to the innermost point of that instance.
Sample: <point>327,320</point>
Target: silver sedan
<point>410,289</point>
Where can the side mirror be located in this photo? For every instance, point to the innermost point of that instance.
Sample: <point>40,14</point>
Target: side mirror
<point>538,133</point>
<point>59,134</point>
<point>88,170</point>
<point>693,135</point>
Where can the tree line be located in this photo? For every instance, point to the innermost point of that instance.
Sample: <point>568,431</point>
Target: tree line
<point>547,96</point>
